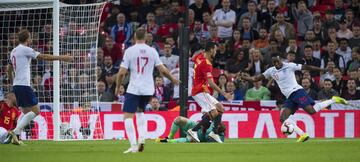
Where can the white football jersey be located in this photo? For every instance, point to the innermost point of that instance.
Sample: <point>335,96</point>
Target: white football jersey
<point>21,57</point>
<point>141,59</point>
<point>285,77</point>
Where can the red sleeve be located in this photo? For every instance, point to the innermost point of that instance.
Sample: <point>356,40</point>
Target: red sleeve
<point>207,70</point>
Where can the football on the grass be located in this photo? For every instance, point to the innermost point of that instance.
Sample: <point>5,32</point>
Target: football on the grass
<point>287,128</point>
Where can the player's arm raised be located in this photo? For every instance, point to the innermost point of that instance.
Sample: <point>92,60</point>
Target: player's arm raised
<point>49,57</point>
<point>312,68</point>
<point>252,79</point>
<point>163,70</point>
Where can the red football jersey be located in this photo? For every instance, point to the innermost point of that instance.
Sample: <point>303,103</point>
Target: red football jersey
<point>8,116</point>
<point>203,71</point>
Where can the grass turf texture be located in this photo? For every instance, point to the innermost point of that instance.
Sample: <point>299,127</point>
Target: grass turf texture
<point>319,150</point>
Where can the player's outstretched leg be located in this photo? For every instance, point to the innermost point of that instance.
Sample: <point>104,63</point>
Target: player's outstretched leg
<point>174,128</point>
<point>217,121</point>
<point>286,116</point>
<point>29,114</point>
<point>205,119</point>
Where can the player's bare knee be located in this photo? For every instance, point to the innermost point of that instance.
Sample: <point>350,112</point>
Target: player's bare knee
<point>213,113</point>
<point>220,108</point>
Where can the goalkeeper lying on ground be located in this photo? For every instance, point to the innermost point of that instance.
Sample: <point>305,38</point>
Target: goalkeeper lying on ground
<point>185,124</point>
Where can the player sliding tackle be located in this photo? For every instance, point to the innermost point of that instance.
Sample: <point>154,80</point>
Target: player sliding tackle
<point>140,60</point>
<point>296,96</point>
<point>185,124</point>
<point>203,78</point>
<point>21,57</point>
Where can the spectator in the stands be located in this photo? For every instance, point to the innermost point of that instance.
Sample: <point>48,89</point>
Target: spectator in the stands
<point>281,41</point>
<point>339,83</point>
<point>111,20</point>
<point>150,42</point>
<point>134,20</point>
<point>327,92</point>
<point>221,83</point>
<point>100,57</point>
<point>122,31</point>
<point>224,19</point>
<point>355,40</point>
<point>104,96</point>
<point>121,96</point>
<point>145,8</point>
<point>99,73</point>
<point>256,65</point>
<point>257,93</point>
<point>330,21</point>
<point>331,55</point>
<point>222,55</point>
<point>162,92</point>
<point>167,29</point>
<point>168,58</point>
<point>318,28</point>
<point>291,57</point>
<point>247,32</point>
<point>313,85</point>
<point>329,74</point>
<point>171,41</point>
<point>317,48</point>
<point>351,93</point>
<point>252,16</point>
<point>270,50</point>
<point>154,105</point>
<point>339,10</point>
<point>308,39</point>
<point>175,11</point>
<point>115,51</point>
<point>286,28</point>
<point>236,64</point>
<point>199,7</point>
<point>292,46</point>
<point>349,18</point>
<point>150,25</point>
<point>344,31</point>
<point>214,34</point>
<point>108,66</point>
<point>344,50</point>
<point>110,82</point>
<point>309,59</point>
<point>231,89</point>
<point>206,23</point>
<point>159,15</point>
<point>304,19</point>
<point>267,15</point>
<point>306,84</point>
<point>235,42</point>
<point>354,63</point>
<point>263,40</point>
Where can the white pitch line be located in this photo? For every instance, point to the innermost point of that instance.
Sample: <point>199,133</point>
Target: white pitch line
<point>282,142</point>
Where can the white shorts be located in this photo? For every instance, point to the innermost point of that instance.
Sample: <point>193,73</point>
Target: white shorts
<point>205,101</point>
<point>3,134</point>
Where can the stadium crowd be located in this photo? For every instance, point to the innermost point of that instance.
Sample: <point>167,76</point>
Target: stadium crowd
<point>323,33</point>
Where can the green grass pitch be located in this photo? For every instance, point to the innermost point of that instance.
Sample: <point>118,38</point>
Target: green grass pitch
<point>257,150</point>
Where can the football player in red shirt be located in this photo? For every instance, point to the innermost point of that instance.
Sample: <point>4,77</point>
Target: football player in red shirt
<point>203,79</point>
<point>8,115</point>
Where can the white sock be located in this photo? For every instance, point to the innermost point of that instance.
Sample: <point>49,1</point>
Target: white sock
<point>322,105</point>
<point>130,131</point>
<point>296,128</point>
<point>19,119</point>
<point>141,127</point>
<point>25,120</point>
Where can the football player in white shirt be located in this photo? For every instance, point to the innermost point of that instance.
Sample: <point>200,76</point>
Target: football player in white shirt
<point>284,75</point>
<point>140,60</point>
<point>21,57</point>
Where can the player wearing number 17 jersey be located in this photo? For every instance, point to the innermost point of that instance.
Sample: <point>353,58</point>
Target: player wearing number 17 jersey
<point>140,60</point>
<point>203,78</point>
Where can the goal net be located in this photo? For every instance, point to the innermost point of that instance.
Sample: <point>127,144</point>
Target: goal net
<point>77,116</point>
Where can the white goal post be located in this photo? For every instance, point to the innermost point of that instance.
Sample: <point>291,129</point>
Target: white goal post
<point>75,32</point>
